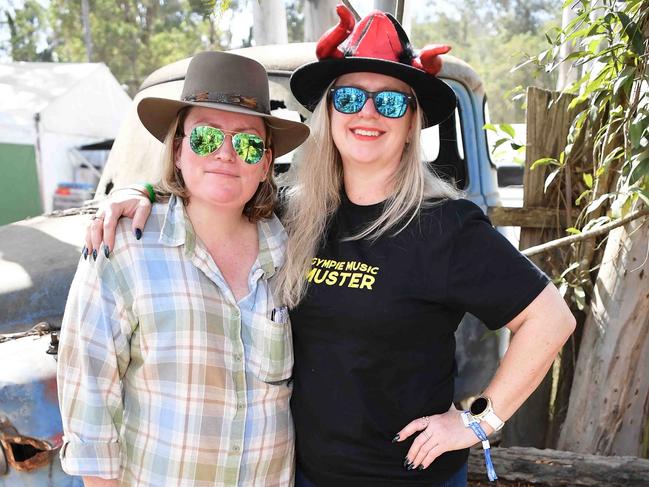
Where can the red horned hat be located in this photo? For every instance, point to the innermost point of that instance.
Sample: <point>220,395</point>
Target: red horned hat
<point>376,44</point>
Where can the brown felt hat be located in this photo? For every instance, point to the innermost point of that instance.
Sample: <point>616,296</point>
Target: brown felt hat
<point>228,82</point>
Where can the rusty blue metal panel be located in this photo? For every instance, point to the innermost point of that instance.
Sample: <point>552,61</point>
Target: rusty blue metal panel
<point>30,422</point>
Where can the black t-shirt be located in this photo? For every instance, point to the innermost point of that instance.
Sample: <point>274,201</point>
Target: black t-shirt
<point>374,336</point>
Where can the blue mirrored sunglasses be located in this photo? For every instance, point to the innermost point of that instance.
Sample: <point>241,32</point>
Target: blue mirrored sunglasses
<point>390,104</point>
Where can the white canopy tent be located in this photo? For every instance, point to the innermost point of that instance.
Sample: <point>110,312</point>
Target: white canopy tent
<point>55,107</point>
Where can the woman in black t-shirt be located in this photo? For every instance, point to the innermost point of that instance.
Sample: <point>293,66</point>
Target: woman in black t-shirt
<point>393,258</point>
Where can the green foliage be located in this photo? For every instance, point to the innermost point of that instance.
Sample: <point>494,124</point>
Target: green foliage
<point>132,37</point>
<point>493,36</point>
<point>27,30</point>
<point>612,47</point>
<point>505,135</point>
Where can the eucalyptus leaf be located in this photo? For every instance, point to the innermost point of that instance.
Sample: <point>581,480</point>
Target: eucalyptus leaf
<point>551,177</point>
<point>597,203</point>
<point>544,162</point>
<point>508,129</point>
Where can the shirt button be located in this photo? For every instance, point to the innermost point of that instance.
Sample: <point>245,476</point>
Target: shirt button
<point>240,406</point>
<point>236,448</point>
<point>237,357</point>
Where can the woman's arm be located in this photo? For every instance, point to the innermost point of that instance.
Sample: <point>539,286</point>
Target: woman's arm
<point>540,331</point>
<point>130,202</point>
<point>94,352</point>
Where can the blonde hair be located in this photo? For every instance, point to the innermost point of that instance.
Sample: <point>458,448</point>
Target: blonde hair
<point>260,206</point>
<point>315,197</point>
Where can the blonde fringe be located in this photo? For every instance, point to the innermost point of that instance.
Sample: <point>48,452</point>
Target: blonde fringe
<point>315,197</point>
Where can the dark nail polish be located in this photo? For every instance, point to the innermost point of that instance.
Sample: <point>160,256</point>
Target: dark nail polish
<point>411,467</point>
<point>395,439</point>
<point>94,254</point>
<point>84,252</point>
<point>138,234</point>
<point>106,250</point>
<point>406,462</point>
<point>420,468</point>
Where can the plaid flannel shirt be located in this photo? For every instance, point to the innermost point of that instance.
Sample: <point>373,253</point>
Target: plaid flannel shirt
<point>164,378</point>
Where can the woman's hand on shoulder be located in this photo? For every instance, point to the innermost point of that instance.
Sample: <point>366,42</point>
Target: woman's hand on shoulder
<point>435,435</point>
<point>128,202</point>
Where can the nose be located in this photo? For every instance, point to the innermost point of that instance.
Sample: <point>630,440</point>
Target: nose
<point>369,109</point>
<point>226,151</point>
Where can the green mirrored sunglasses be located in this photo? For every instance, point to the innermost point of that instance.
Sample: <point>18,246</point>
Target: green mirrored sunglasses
<point>204,140</point>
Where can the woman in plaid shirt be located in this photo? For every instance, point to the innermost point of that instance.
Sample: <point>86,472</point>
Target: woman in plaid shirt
<point>174,355</point>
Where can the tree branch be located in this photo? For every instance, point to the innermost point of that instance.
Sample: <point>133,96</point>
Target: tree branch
<point>604,229</point>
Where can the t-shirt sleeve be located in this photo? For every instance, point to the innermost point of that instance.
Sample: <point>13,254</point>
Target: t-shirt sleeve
<point>487,276</point>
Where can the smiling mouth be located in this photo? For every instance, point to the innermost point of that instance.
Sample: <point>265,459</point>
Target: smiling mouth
<point>366,132</point>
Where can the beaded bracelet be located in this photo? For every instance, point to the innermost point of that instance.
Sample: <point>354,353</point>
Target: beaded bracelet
<point>150,191</point>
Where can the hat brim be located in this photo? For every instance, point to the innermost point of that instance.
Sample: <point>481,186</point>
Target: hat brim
<point>436,98</point>
<point>157,114</point>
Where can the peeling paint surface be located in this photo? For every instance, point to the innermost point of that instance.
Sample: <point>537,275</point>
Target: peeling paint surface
<point>30,422</point>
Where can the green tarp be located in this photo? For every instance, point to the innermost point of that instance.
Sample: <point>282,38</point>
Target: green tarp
<point>19,193</point>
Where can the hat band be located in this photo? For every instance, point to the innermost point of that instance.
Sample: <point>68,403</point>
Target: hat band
<point>226,98</point>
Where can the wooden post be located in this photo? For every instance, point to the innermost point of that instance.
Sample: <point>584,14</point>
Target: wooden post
<point>548,122</point>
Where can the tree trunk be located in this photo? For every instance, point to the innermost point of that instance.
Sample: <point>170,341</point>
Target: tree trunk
<point>319,16</point>
<point>568,72</point>
<point>386,5</point>
<point>85,20</point>
<point>390,6</point>
<point>609,403</point>
<point>269,22</point>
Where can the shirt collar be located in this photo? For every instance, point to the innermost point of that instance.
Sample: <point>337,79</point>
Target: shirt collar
<point>177,230</point>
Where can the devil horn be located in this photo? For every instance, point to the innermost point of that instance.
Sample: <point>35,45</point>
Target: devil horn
<point>328,44</point>
<point>429,58</point>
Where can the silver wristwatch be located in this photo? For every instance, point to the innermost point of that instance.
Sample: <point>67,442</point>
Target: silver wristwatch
<point>482,410</point>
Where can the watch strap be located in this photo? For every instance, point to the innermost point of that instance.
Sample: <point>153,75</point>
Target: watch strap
<point>492,420</point>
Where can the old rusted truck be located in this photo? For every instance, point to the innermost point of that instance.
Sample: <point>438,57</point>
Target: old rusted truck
<point>38,258</point>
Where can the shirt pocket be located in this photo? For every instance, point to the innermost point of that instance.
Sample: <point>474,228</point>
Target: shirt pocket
<point>272,351</point>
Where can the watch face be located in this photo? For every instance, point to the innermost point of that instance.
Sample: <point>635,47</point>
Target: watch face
<point>479,406</point>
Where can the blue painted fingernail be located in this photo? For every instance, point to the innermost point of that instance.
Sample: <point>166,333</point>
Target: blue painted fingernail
<point>106,250</point>
<point>94,254</point>
<point>395,439</point>
<point>138,234</point>
<point>84,252</point>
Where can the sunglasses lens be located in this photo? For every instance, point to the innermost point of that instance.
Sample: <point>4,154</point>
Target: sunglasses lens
<point>348,99</point>
<point>249,147</point>
<point>391,104</point>
<point>205,140</point>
